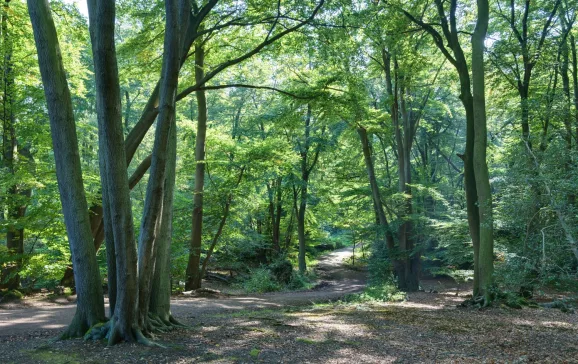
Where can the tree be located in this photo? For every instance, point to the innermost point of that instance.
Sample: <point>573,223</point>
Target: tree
<point>486,248</point>
<point>90,305</point>
<point>458,59</point>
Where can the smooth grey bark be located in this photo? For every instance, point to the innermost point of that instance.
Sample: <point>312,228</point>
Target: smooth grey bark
<point>160,300</point>
<point>90,303</point>
<point>118,223</point>
<point>486,247</point>
<point>152,212</point>
<point>193,274</point>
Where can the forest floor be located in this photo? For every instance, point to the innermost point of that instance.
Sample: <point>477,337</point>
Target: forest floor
<point>288,327</point>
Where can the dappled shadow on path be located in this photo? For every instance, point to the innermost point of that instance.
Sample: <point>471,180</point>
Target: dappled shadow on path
<point>338,281</point>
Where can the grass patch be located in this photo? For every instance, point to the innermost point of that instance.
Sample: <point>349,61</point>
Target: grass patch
<point>307,341</point>
<point>385,292</point>
<point>255,353</point>
<point>46,355</point>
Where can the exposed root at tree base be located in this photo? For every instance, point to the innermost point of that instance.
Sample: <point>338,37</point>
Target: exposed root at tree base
<point>478,302</point>
<point>79,328</point>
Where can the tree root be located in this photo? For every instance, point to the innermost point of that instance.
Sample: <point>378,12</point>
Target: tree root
<point>135,335</point>
<point>78,328</point>
<point>145,336</point>
<point>98,331</point>
<point>478,302</point>
<point>561,305</point>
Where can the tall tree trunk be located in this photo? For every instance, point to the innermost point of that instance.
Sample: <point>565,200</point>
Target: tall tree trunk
<point>301,227</point>
<point>459,61</point>
<point>575,83</point>
<point>90,303</point>
<point>486,247</point>
<point>97,226</point>
<point>160,302</point>
<point>385,231</point>
<point>411,259</point>
<point>118,223</point>
<point>306,168</point>
<point>152,212</point>
<point>193,280</point>
<point>16,205</point>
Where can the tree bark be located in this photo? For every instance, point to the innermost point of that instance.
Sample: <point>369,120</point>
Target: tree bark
<point>486,244</point>
<point>160,302</point>
<point>90,303</point>
<point>389,241</point>
<point>458,60</point>
<point>16,202</point>
<point>575,83</point>
<point>118,222</point>
<point>152,212</point>
<point>306,168</point>
<point>275,193</point>
<point>193,280</point>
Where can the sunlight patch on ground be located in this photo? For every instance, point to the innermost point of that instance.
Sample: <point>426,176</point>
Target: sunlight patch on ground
<point>522,322</point>
<point>408,304</point>
<point>558,324</point>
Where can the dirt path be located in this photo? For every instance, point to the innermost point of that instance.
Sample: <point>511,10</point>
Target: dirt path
<point>336,281</point>
<point>426,328</point>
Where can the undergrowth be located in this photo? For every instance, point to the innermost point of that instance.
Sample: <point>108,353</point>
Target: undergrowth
<point>377,292</point>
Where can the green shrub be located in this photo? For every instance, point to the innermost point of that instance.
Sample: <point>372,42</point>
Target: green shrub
<point>260,280</point>
<point>384,292</point>
<point>282,270</point>
<point>11,295</point>
<point>299,281</point>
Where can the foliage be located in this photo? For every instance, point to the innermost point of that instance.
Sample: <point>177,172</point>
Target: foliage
<point>260,281</point>
<point>378,292</point>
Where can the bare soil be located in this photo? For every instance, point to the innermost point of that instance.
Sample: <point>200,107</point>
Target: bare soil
<point>287,327</point>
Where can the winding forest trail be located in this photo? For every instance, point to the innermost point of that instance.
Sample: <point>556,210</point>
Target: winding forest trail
<point>282,327</point>
<point>335,281</point>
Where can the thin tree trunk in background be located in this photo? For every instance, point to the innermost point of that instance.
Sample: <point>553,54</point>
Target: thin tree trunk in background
<point>192,281</point>
<point>306,169</point>
<point>567,109</point>
<point>575,84</point>
<point>127,111</point>
<point>405,232</point>
<point>389,240</point>
<point>301,227</point>
<point>278,212</point>
<point>486,247</point>
<point>275,210</point>
<point>10,277</point>
<point>217,235</point>
<point>90,303</point>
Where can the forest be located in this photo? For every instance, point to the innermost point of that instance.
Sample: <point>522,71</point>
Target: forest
<point>321,181</point>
